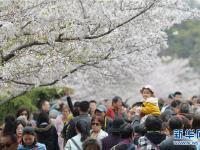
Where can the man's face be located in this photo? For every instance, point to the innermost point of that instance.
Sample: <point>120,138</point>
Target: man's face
<point>7,143</point>
<point>93,106</point>
<point>178,97</point>
<point>45,106</point>
<point>100,114</point>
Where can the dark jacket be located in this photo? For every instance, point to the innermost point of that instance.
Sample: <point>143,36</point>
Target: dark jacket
<point>110,141</point>
<point>151,141</point>
<point>169,145</point>
<point>71,131</point>
<point>47,134</point>
<point>107,124</point>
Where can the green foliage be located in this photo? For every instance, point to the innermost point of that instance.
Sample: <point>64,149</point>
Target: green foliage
<point>28,100</point>
<point>184,42</point>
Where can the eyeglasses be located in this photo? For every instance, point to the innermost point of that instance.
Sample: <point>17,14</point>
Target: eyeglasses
<point>5,145</point>
<point>96,124</point>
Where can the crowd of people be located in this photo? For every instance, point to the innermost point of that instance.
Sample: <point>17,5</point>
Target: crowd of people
<point>148,124</point>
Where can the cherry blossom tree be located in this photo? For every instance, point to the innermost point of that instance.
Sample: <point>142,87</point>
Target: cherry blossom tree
<point>94,44</point>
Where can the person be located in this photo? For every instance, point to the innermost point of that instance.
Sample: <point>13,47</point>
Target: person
<point>8,141</point>
<point>115,137</point>
<point>23,112</point>
<point>19,129</point>
<point>91,144</point>
<point>116,110</point>
<point>107,122</point>
<point>153,137</point>
<point>43,106</point>
<point>84,109</point>
<point>196,127</point>
<point>150,102</point>
<point>127,137</point>
<point>29,141</point>
<point>168,144</point>
<point>60,122</point>
<point>82,129</point>
<point>96,132</point>
<point>46,132</point>
<point>93,106</point>
<point>168,102</point>
<point>178,96</point>
<point>150,106</point>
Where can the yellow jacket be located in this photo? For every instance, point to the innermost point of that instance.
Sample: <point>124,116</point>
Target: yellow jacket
<point>150,108</point>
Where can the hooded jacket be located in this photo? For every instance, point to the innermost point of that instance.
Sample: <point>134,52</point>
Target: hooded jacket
<point>47,134</point>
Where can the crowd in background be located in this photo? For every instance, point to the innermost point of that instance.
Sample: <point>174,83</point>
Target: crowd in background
<point>148,124</point>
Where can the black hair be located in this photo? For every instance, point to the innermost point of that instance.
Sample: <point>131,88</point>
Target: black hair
<point>171,96</point>
<point>18,122</point>
<point>29,131</point>
<point>165,116</point>
<point>83,127</point>
<point>40,102</point>
<point>196,122</point>
<point>91,144</point>
<point>84,106</point>
<point>127,132</point>
<point>175,123</point>
<point>175,103</point>
<point>93,101</point>
<point>42,117</point>
<point>10,125</point>
<point>153,123</point>
<point>20,110</point>
<point>177,93</point>
<point>116,99</point>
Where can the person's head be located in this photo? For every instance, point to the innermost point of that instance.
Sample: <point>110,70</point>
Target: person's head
<point>147,92</point>
<point>76,111</point>
<point>28,136</point>
<point>8,142</point>
<point>196,121</point>
<point>65,110</point>
<point>20,124</point>
<point>91,144</point>
<point>178,95</point>
<point>184,108</point>
<point>43,105</point>
<point>101,111</point>
<point>23,112</point>
<point>153,123</point>
<point>43,117</point>
<point>83,128</point>
<point>117,125</point>
<point>175,105</point>
<point>84,106</point>
<point>10,125</point>
<point>96,123</point>
<point>93,105</point>
<point>117,102</point>
<point>194,99</point>
<point>127,132</point>
<point>175,123</point>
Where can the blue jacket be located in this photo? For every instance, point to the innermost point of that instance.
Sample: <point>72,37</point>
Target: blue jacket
<point>38,146</point>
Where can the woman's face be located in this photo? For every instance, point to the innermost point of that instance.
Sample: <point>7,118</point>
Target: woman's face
<point>146,93</point>
<point>96,126</point>
<point>25,114</point>
<point>65,112</point>
<point>19,130</point>
<point>28,139</point>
